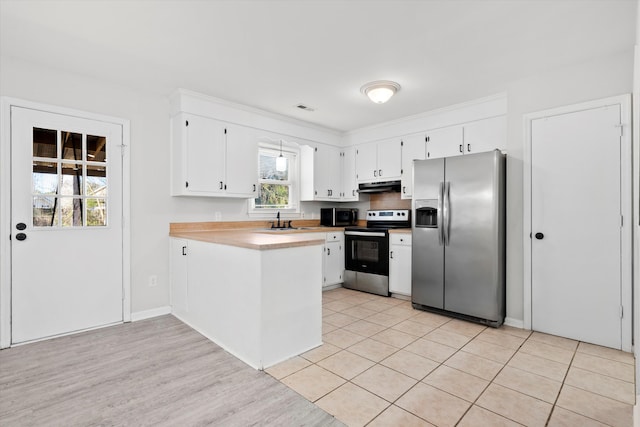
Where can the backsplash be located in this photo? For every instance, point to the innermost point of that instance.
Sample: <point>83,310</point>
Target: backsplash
<point>389,201</point>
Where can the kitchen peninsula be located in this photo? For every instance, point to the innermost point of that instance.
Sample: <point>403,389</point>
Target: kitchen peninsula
<point>255,292</point>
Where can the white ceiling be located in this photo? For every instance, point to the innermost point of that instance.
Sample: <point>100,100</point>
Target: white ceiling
<point>276,54</point>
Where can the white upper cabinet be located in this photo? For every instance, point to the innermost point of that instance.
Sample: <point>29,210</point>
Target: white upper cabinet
<point>241,168</point>
<point>378,161</point>
<point>485,135</point>
<point>208,161</point>
<point>349,182</point>
<point>320,172</point>
<point>413,148</point>
<point>475,137</point>
<point>444,142</point>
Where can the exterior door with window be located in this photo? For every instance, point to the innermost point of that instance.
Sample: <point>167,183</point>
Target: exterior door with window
<point>66,219</point>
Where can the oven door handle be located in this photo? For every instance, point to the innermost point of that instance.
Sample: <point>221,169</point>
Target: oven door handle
<point>365,233</point>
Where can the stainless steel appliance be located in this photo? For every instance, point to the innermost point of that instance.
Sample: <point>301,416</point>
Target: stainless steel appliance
<point>379,187</point>
<point>458,227</point>
<point>367,251</point>
<point>338,217</point>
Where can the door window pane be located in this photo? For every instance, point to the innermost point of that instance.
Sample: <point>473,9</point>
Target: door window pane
<point>44,211</point>
<point>96,180</point>
<point>45,177</point>
<point>71,179</point>
<point>96,212</point>
<point>96,148</point>
<point>71,145</point>
<point>45,143</point>
<point>71,211</point>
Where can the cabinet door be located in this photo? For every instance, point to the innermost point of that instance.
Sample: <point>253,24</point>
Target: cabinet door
<point>242,161</point>
<point>327,172</point>
<point>413,148</point>
<point>485,135</point>
<point>400,269</point>
<point>445,142</point>
<point>389,159</point>
<point>349,182</point>
<point>179,277</point>
<point>367,162</point>
<point>333,263</point>
<point>204,153</point>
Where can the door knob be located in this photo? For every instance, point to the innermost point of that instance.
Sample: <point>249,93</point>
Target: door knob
<point>539,236</point>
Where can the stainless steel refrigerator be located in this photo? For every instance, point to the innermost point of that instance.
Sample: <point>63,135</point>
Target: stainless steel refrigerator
<point>458,224</point>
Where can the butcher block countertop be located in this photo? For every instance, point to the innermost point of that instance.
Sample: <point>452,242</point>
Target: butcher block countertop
<point>252,234</point>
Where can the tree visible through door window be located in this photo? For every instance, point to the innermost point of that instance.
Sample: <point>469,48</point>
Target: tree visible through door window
<point>277,188</point>
<point>69,179</point>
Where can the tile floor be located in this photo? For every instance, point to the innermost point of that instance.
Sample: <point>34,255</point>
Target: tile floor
<point>385,364</point>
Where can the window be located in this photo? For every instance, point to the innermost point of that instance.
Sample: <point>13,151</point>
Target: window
<point>278,190</point>
<point>69,179</point>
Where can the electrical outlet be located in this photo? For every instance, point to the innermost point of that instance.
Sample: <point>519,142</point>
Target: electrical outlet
<point>153,281</point>
<point>218,216</point>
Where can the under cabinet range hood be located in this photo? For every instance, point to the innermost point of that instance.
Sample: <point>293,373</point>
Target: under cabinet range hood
<point>379,187</point>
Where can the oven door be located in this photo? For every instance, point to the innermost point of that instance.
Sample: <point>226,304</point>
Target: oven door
<point>367,252</point>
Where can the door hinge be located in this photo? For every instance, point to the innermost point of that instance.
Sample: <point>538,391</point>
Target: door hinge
<point>619,126</point>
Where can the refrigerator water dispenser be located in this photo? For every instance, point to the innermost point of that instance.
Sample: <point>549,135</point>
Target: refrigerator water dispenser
<point>426,213</point>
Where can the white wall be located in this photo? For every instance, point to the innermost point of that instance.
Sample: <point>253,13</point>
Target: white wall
<point>599,78</point>
<point>152,208</point>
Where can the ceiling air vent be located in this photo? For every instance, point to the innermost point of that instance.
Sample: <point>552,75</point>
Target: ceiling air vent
<point>305,107</point>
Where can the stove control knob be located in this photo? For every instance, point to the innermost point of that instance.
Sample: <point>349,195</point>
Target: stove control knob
<point>403,214</point>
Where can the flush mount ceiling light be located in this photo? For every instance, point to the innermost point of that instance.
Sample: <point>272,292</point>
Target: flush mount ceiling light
<point>380,91</point>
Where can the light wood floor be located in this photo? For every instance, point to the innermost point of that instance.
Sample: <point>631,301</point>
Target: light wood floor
<point>154,372</point>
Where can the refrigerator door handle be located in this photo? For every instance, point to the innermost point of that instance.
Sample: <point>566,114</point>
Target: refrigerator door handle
<point>446,214</point>
<point>439,216</point>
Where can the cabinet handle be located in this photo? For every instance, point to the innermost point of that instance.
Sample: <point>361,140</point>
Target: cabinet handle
<point>402,240</point>
<point>404,189</point>
<point>379,172</point>
<point>375,173</point>
<point>353,192</point>
<point>328,251</point>
<point>391,254</point>
<point>461,148</point>
<point>184,253</point>
<point>468,148</point>
<point>220,185</point>
<point>254,188</point>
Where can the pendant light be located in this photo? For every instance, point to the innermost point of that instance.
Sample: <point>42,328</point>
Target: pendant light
<point>281,161</point>
<point>380,91</point>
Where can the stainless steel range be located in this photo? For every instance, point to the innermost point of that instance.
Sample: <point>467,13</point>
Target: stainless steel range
<point>367,250</point>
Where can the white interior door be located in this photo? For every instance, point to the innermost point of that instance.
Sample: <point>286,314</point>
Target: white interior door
<point>576,225</point>
<point>66,220</point>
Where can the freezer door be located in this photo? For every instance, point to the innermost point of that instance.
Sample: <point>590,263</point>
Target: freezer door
<point>427,252</point>
<point>474,235</point>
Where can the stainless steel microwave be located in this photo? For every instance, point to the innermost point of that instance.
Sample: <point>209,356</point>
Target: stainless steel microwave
<point>338,217</point>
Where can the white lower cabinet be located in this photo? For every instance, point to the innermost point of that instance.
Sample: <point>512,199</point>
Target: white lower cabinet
<point>334,259</point>
<point>179,276</point>
<point>400,263</point>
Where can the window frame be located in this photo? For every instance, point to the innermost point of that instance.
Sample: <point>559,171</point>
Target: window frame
<point>293,154</point>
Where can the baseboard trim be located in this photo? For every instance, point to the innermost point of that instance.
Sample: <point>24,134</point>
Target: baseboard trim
<point>148,314</point>
<point>636,412</point>
<point>515,323</point>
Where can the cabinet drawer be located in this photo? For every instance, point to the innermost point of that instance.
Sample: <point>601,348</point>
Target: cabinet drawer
<point>335,237</point>
<point>400,239</point>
